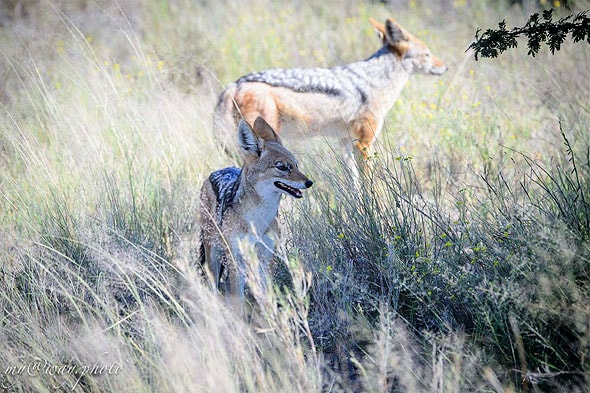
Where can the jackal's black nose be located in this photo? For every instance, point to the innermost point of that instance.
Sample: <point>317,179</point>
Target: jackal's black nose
<point>308,183</point>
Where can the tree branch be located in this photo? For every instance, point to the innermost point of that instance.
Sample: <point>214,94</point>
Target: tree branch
<point>538,30</point>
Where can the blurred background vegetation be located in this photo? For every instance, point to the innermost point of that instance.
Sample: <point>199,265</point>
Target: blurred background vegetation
<point>462,264</point>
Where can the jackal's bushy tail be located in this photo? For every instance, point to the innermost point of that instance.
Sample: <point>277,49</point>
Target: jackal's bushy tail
<point>224,120</point>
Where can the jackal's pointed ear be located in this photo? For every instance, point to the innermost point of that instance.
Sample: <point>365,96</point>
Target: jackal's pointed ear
<point>379,28</point>
<point>248,140</point>
<point>396,37</point>
<point>265,131</point>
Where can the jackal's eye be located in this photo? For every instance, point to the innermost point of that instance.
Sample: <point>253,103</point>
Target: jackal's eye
<point>281,166</point>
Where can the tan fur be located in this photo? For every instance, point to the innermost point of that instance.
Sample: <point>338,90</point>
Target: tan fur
<point>250,214</point>
<point>348,101</point>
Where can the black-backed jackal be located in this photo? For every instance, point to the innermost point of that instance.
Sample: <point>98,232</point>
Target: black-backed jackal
<point>241,205</point>
<point>348,101</point>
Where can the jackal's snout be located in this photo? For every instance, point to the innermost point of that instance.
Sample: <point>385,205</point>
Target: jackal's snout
<point>438,67</point>
<point>304,180</point>
<point>293,187</point>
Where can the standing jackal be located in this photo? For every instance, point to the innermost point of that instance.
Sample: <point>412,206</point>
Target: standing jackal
<point>241,205</point>
<point>348,101</point>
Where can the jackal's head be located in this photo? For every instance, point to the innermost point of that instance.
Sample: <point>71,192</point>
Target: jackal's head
<point>269,167</point>
<point>409,48</point>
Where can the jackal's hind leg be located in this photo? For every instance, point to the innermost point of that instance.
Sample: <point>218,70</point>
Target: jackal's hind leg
<point>215,257</point>
<point>257,101</point>
<point>350,159</point>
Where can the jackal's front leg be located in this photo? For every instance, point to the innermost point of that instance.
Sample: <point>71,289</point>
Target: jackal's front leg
<point>265,253</point>
<point>237,270</point>
<point>365,130</point>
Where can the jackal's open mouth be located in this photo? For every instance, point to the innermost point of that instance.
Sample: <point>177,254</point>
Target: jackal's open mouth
<point>288,189</point>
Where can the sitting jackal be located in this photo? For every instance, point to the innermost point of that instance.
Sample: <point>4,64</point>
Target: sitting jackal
<point>348,101</point>
<point>241,205</point>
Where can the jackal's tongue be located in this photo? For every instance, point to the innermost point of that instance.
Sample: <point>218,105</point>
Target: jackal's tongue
<point>288,189</point>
